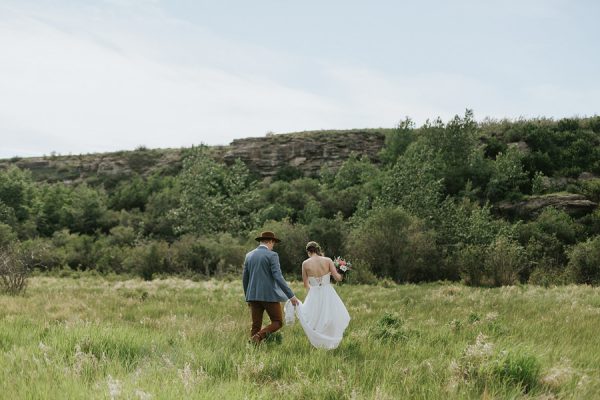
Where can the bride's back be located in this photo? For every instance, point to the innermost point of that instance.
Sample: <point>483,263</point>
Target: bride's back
<point>316,265</point>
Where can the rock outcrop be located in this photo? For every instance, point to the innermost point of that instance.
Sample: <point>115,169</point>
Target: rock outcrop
<point>307,151</point>
<point>573,204</point>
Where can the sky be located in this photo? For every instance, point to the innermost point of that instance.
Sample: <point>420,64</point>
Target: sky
<point>85,76</point>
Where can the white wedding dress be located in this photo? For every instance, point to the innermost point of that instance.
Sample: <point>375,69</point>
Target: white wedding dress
<point>323,316</point>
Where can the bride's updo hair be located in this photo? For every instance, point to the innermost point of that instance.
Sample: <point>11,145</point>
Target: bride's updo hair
<point>313,247</point>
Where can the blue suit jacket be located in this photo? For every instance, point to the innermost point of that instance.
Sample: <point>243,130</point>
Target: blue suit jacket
<point>262,277</point>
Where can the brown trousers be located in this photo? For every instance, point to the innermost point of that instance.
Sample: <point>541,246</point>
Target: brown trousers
<point>257,309</point>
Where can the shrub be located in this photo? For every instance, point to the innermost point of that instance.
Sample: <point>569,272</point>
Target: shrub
<point>274,212</point>
<point>591,223</point>
<point>412,183</point>
<point>470,260</point>
<point>390,327</point>
<point>584,262</point>
<point>212,255</point>
<point>344,201</point>
<point>538,183</point>
<point>7,235</point>
<point>518,368</point>
<point>397,141</point>
<point>548,276</point>
<point>148,259</point>
<point>43,254</point>
<point>190,254</point>
<point>504,261</point>
<point>508,176</point>
<point>288,173</point>
<point>16,264</point>
<point>465,222</point>
<point>548,236</point>
<point>129,194</point>
<point>395,244</point>
<point>330,234</point>
<point>16,193</point>
<point>497,264</point>
<point>591,189</point>
<point>108,255</point>
<point>361,274</point>
<point>86,210</point>
<point>215,197</point>
<point>122,236</point>
<point>483,366</point>
<point>354,172</point>
<point>78,249</point>
<point>159,220</point>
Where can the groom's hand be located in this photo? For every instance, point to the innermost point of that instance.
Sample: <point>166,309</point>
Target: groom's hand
<point>295,301</point>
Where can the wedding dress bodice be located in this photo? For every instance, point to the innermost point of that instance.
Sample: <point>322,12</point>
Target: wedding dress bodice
<point>315,281</point>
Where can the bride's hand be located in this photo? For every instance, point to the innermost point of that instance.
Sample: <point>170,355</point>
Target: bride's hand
<point>295,301</point>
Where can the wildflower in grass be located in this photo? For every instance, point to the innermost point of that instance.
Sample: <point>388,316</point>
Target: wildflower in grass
<point>83,361</point>
<point>491,316</point>
<point>45,350</point>
<point>250,369</point>
<point>481,349</point>
<point>114,387</point>
<point>142,395</point>
<point>559,374</point>
<point>186,376</point>
<point>474,357</point>
<point>167,361</point>
<point>455,325</point>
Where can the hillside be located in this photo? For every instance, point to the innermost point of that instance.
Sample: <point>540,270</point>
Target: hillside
<point>306,151</point>
<point>490,203</point>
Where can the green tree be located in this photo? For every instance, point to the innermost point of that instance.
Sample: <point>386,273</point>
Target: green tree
<point>413,184</point>
<point>51,207</point>
<point>7,235</point>
<point>215,197</point>
<point>16,194</point>
<point>129,194</point>
<point>159,215</point>
<point>584,262</point>
<point>508,176</point>
<point>396,244</point>
<point>354,171</point>
<point>397,141</point>
<point>86,210</point>
<point>454,147</point>
<point>288,173</point>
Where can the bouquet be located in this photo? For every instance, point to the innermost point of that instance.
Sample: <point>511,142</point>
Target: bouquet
<point>342,266</point>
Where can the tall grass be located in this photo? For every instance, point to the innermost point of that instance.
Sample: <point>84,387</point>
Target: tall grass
<point>91,338</point>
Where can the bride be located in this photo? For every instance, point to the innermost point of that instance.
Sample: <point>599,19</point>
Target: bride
<point>323,316</point>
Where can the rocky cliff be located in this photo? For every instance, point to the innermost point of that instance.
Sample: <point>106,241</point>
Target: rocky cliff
<point>574,204</point>
<point>307,151</point>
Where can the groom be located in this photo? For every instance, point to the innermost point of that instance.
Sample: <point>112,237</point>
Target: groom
<point>265,287</point>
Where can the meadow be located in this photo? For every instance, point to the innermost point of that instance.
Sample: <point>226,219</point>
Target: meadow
<point>96,338</point>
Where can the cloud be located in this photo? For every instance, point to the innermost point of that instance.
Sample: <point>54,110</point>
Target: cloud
<point>85,77</point>
<point>101,96</point>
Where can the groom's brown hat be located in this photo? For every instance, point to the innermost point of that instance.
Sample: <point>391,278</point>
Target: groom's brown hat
<point>267,235</point>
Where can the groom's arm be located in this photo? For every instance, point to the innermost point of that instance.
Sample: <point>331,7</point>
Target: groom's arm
<point>245,276</point>
<point>278,276</point>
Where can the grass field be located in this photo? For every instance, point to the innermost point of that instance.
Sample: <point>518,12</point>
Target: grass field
<point>91,338</point>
